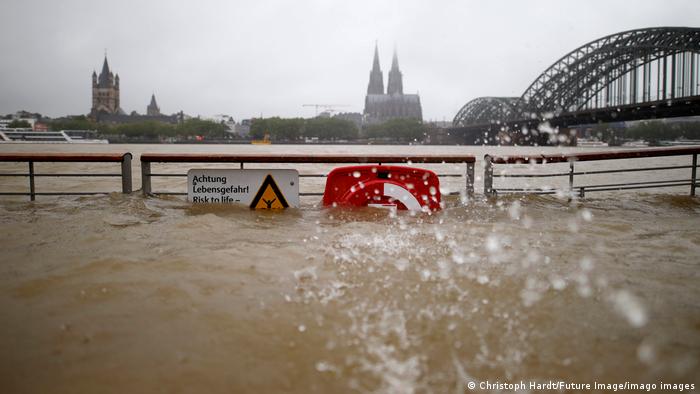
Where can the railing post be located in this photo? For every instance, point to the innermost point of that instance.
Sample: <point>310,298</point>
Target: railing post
<point>488,176</point>
<point>126,173</point>
<point>693,174</point>
<point>470,179</point>
<point>146,177</point>
<point>32,190</point>
<point>571,178</point>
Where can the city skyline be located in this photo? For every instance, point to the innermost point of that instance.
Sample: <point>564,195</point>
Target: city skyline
<point>271,58</point>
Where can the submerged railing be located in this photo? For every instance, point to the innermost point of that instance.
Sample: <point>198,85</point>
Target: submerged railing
<point>489,162</point>
<point>31,158</point>
<point>242,159</point>
<point>574,158</point>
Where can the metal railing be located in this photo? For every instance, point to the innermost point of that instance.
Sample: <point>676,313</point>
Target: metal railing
<point>581,190</point>
<point>31,158</point>
<point>242,159</point>
<point>490,161</point>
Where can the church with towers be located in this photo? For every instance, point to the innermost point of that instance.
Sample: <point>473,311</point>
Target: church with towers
<point>105,101</point>
<point>105,92</point>
<point>381,106</point>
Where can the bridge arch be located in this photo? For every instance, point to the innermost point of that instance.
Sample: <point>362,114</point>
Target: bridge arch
<point>485,110</point>
<point>631,67</point>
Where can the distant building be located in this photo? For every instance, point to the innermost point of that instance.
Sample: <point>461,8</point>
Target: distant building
<point>152,109</point>
<point>105,102</point>
<point>380,107</point>
<point>105,92</point>
<point>5,123</point>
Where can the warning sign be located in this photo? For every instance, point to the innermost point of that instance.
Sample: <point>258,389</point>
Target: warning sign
<point>269,196</point>
<point>258,188</point>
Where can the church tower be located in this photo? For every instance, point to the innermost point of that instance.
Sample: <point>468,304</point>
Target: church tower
<point>105,92</point>
<point>394,104</point>
<point>376,81</point>
<point>152,109</point>
<point>395,84</point>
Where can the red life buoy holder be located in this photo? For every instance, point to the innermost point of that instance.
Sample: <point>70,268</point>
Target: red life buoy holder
<point>376,185</point>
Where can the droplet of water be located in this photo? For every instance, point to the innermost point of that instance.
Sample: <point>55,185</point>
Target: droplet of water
<point>514,210</point>
<point>492,244</point>
<point>425,275</point>
<point>356,174</point>
<point>401,264</point>
<point>646,353</point>
<point>586,264</point>
<point>586,215</point>
<point>323,366</point>
<point>630,307</point>
<point>558,283</point>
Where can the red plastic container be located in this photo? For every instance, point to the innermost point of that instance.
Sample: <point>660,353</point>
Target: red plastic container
<point>377,185</point>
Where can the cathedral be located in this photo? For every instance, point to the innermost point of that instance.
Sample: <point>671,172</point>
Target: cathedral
<point>152,109</point>
<point>380,107</point>
<point>105,102</point>
<point>105,92</point>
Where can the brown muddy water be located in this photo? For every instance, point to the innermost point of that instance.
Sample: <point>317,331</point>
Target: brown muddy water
<point>121,293</point>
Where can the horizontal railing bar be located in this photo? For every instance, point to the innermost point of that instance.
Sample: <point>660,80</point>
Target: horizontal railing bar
<point>300,175</point>
<point>630,170</point>
<point>301,194</point>
<point>632,183</point>
<point>592,188</point>
<point>63,157</point>
<point>296,158</point>
<point>531,175</point>
<point>525,191</point>
<point>594,156</point>
<point>75,175</point>
<point>516,189</point>
<point>58,175</point>
<point>589,172</point>
<point>184,194</point>
<point>637,187</point>
<point>53,193</point>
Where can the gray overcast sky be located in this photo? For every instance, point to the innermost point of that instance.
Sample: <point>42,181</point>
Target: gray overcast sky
<point>246,58</point>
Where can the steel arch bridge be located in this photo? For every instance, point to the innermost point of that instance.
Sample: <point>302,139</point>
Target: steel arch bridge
<point>632,68</point>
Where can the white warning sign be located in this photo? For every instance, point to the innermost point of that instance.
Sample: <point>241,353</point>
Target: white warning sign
<point>258,188</point>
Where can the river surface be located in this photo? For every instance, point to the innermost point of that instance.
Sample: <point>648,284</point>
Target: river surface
<point>123,293</point>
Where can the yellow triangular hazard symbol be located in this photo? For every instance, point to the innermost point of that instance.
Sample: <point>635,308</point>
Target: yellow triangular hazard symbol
<point>269,196</point>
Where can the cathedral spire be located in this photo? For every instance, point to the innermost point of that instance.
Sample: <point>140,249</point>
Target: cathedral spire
<point>395,84</point>
<point>376,81</point>
<point>375,63</point>
<point>104,80</point>
<point>152,109</point>
<point>105,67</point>
<point>395,61</point>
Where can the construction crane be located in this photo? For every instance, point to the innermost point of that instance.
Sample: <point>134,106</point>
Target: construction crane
<point>328,107</point>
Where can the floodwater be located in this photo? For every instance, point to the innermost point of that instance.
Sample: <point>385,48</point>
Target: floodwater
<point>121,293</point>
